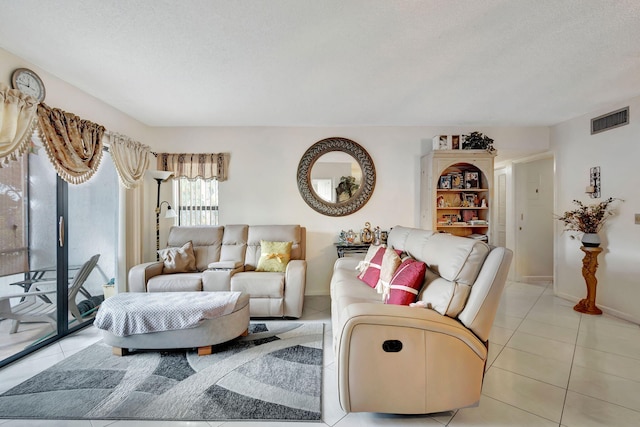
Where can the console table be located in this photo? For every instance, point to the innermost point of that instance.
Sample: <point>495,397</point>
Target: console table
<point>589,266</point>
<point>351,248</point>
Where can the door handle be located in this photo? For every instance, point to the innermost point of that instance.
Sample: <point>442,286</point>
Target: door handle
<point>61,231</point>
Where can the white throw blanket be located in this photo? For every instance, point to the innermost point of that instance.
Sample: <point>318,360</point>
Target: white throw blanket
<point>139,313</point>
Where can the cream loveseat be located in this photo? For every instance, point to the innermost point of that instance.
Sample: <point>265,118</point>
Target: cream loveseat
<point>416,360</point>
<point>226,258</point>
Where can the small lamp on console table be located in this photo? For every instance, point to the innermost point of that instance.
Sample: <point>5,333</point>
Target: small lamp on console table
<point>160,177</point>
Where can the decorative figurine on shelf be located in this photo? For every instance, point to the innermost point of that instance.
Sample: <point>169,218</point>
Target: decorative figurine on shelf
<point>342,237</point>
<point>376,240</point>
<point>351,236</point>
<point>440,202</point>
<point>367,234</point>
<point>484,203</point>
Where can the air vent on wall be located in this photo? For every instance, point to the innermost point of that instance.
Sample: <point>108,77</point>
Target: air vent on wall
<point>610,120</point>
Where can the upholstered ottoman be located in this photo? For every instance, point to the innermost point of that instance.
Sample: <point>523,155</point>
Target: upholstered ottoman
<point>171,320</point>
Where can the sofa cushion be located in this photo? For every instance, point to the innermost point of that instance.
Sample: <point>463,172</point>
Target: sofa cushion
<point>259,284</point>
<point>273,233</point>
<point>274,256</point>
<point>406,282</point>
<point>206,242</point>
<point>371,273</point>
<point>179,282</point>
<point>178,260</point>
<point>445,297</point>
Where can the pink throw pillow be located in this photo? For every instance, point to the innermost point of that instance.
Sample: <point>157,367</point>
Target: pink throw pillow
<point>371,274</point>
<point>406,282</point>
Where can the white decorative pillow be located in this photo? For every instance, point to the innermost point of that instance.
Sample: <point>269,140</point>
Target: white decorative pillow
<point>390,263</point>
<point>178,260</point>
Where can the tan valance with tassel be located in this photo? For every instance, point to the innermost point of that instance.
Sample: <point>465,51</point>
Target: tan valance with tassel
<point>73,145</point>
<point>17,122</point>
<point>130,157</point>
<point>192,166</point>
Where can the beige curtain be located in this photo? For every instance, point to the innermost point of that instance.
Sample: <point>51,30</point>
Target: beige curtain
<point>74,145</point>
<point>17,122</point>
<point>130,157</point>
<point>191,166</point>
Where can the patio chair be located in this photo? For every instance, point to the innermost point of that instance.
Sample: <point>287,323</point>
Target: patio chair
<point>33,309</point>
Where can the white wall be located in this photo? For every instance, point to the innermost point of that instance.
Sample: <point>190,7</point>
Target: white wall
<point>617,152</point>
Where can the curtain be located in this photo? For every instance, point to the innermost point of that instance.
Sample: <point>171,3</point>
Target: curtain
<point>73,145</point>
<point>17,122</point>
<point>192,166</point>
<point>130,157</point>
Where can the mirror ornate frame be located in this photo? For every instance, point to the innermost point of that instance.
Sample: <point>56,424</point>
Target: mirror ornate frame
<point>360,155</point>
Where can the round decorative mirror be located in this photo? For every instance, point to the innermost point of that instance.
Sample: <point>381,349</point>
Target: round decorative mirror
<point>336,176</point>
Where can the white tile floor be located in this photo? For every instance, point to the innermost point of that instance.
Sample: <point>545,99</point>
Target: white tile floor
<point>549,366</point>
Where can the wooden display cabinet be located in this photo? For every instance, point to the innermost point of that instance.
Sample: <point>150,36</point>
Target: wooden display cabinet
<point>457,191</point>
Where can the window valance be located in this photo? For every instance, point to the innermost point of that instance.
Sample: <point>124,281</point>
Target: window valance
<point>130,157</point>
<point>73,145</point>
<point>198,165</point>
<point>18,120</point>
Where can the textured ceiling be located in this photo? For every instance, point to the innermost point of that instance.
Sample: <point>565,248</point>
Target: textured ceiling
<point>336,62</point>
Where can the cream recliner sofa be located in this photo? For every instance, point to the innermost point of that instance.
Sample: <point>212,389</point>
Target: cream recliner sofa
<point>415,360</point>
<point>226,259</point>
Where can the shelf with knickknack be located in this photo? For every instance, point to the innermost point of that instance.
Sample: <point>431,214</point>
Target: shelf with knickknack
<point>456,191</point>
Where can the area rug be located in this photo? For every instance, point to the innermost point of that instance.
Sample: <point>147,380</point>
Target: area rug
<point>274,373</point>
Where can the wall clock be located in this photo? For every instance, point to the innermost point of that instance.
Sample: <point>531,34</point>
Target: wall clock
<point>28,82</point>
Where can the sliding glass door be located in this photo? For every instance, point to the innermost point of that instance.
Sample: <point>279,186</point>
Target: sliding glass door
<point>67,236</point>
<point>92,219</point>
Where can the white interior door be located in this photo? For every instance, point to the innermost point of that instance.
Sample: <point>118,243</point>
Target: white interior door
<point>534,220</point>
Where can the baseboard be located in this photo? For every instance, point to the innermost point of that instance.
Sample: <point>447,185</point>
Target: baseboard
<point>317,294</point>
<point>607,310</point>
<point>537,279</point>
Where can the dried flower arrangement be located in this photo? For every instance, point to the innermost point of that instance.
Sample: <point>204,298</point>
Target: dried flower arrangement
<point>587,218</point>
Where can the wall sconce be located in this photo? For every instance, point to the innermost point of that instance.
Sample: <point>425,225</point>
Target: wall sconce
<point>593,189</point>
<point>160,177</point>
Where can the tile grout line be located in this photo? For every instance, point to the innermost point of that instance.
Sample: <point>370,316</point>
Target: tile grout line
<point>573,357</point>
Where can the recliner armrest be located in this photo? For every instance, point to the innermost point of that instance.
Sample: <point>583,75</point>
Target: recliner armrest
<point>295,278</point>
<point>140,274</point>
<point>219,279</point>
<point>403,316</point>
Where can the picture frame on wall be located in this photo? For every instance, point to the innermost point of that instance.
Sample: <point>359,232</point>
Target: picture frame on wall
<point>471,179</point>
<point>445,182</point>
<point>457,180</point>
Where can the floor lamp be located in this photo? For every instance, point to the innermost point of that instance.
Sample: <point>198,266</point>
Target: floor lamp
<point>160,177</point>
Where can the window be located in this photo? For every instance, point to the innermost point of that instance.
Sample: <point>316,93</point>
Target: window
<point>197,201</point>
<point>13,203</point>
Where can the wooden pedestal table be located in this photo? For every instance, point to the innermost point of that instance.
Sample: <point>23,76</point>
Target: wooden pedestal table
<point>589,267</point>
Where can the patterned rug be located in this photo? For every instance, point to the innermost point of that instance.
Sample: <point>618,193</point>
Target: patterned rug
<point>274,373</point>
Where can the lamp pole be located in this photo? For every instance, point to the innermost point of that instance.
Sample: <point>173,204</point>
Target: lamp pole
<point>159,176</point>
<point>159,180</point>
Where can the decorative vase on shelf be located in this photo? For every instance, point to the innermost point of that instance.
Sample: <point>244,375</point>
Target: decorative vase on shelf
<point>590,240</point>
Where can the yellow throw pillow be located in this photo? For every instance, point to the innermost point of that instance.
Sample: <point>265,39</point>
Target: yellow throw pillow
<point>274,256</point>
<point>178,260</point>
